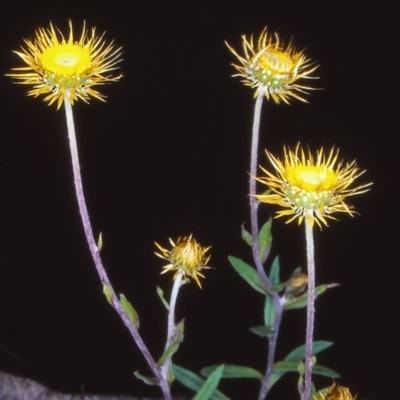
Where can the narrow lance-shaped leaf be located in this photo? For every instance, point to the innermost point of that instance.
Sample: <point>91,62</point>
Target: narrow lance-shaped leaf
<point>161,296</point>
<point>249,274</point>
<point>193,381</point>
<point>301,301</point>
<point>209,386</point>
<point>265,240</point>
<point>233,371</point>
<point>246,236</point>
<point>100,242</point>
<point>130,311</point>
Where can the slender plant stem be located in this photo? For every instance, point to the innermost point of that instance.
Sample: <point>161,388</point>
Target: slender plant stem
<point>171,322</point>
<point>256,253</point>
<point>310,309</point>
<point>96,254</point>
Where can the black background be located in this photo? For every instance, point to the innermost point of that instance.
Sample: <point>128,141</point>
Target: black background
<point>168,156</point>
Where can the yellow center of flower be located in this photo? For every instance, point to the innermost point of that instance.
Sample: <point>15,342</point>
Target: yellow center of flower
<point>274,68</point>
<point>311,178</point>
<point>66,60</point>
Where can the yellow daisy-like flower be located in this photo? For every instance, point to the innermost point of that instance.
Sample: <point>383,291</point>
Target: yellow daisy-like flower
<point>273,68</point>
<point>312,188</point>
<point>336,392</point>
<point>59,67</point>
<point>187,257</point>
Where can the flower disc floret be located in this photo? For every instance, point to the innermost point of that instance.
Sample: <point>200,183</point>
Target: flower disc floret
<point>186,257</point>
<point>58,67</point>
<point>310,187</point>
<point>274,69</point>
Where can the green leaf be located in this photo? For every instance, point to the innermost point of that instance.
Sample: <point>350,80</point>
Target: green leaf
<point>161,296</point>
<point>100,242</point>
<point>269,313</point>
<point>177,337</point>
<point>130,311</point>
<point>149,380</point>
<point>208,387</point>
<point>172,348</point>
<point>247,236</point>
<point>108,292</point>
<point>274,273</point>
<point>299,352</point>
<point>265,240</point>
<point>193,381</point>
<point>261,330</point>
<point>301,301</point>
<point>293,366</point>
<point>249,274</point>
<point>234,371</point>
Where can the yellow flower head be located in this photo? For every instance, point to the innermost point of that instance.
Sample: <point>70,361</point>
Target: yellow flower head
<point>273,68</point>
<point>59,67</point>
<point>336,392</point>
<point>187,257</point>
<point>312,188</point>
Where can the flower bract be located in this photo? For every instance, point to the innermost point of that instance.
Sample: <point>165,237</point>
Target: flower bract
<point>275,69</point>
<point>310,187</point>
<point>335,392</point>
<point>57,67</point>
<point>186,257</point>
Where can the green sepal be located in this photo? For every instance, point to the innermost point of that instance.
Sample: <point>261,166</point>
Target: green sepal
<point>148,380</point>
<point>249,274</point>
<point>233,371</point>
<point>262,330</point>
<point>209,386</point>
<point>246,236</point>
<point>194,382</point>
<point>100,242</point>
<point>265,241</point>
<point>130,311</point>
<point>321,394</point>
<point>108,292</point>
<point>160,293</point>
<point>301,301</point>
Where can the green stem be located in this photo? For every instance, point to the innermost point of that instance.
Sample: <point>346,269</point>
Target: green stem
<point>96,254</point>
<point>310,310</point>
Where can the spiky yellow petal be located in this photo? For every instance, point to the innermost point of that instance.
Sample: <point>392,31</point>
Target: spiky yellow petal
<point>186,257</point>
<point>310,187</point>
<point>335,392</point>
<point>273,68</point>
<point>57,67</point>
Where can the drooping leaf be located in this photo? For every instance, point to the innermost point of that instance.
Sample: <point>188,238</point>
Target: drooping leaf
<point>148,380</point>
<point>261,330</point>
<point>193,381</point>
<point>265,240</point>
<point>130,311</point>
<point>209,386</point>
<point>293,366</point>
<point>234,371</point>
<point>249,274</point>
